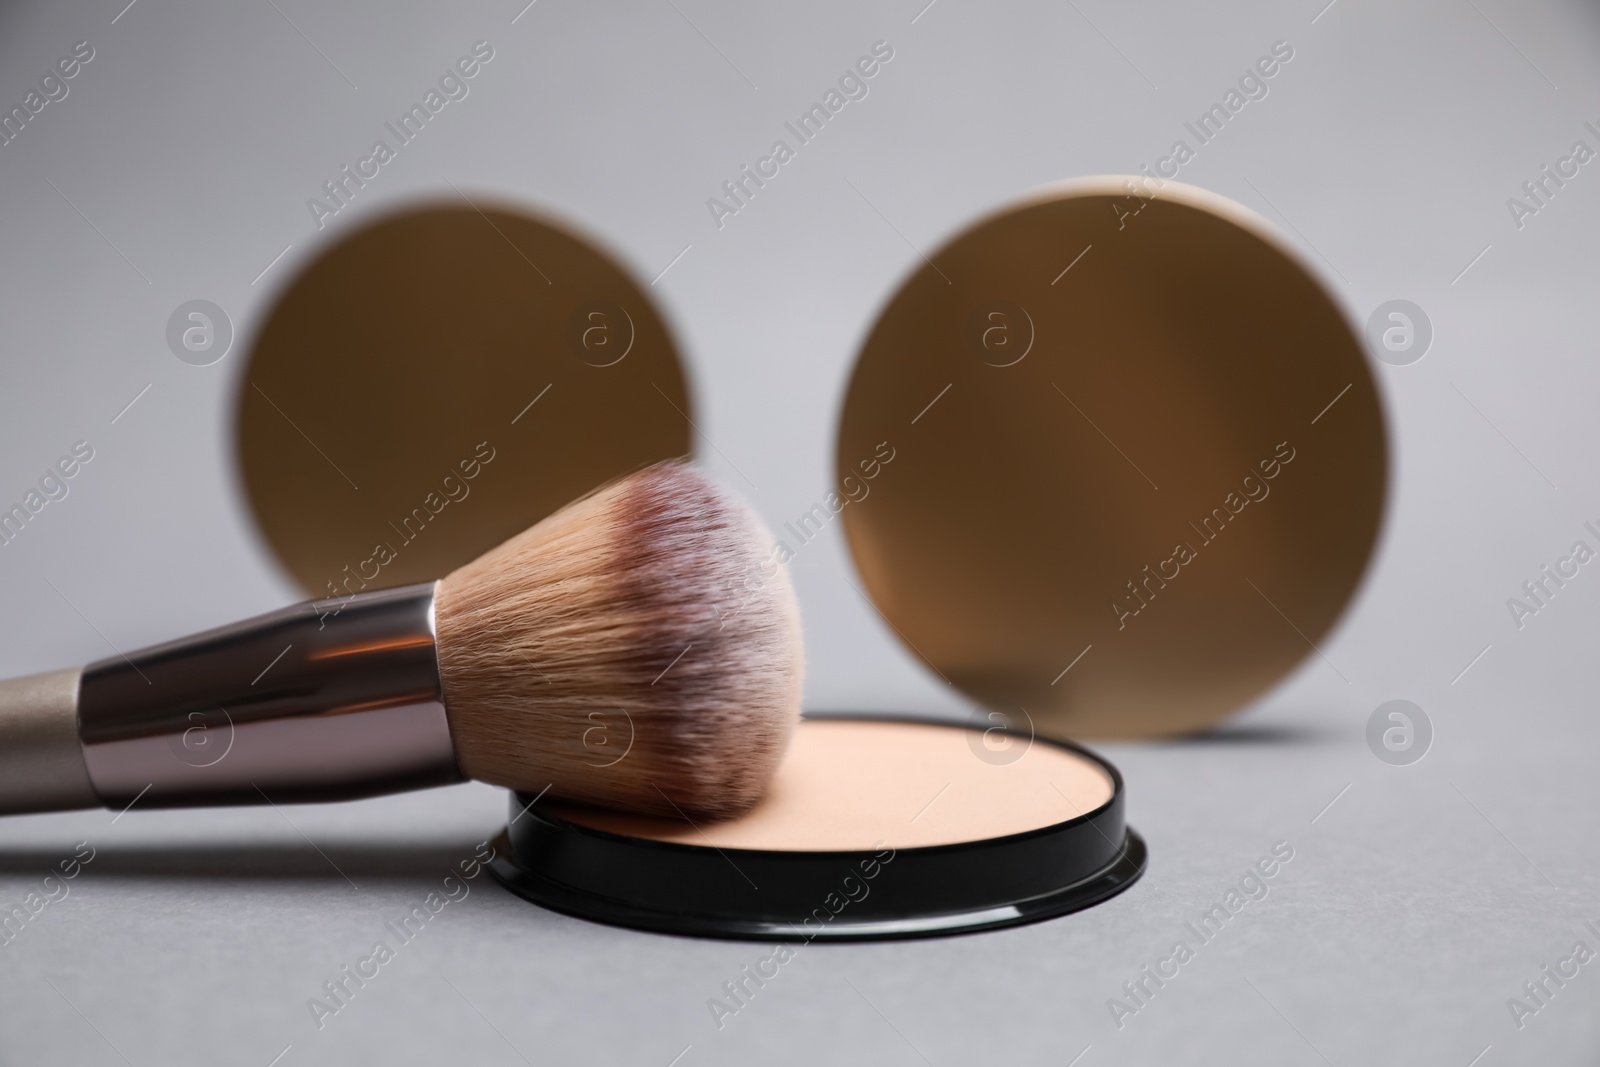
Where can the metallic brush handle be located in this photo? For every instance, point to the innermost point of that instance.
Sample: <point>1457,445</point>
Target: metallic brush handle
<point>41,759</point>
<point>326,700</point>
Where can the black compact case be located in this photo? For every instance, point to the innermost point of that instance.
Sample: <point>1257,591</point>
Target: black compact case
<point>783,895</point>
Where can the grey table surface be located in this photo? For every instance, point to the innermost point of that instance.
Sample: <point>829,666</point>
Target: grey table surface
<point>1419,898</point>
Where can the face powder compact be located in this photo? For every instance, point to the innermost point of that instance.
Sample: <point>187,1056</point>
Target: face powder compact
<point>870,830</point>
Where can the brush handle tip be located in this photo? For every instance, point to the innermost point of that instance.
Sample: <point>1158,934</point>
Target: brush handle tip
<point>41,758</point>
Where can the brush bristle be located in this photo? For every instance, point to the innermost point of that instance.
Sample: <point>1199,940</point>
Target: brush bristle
<point>639,649</point>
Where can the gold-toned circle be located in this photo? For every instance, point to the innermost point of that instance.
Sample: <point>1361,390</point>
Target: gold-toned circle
<point>1150,514</point>
<point>440,380</point>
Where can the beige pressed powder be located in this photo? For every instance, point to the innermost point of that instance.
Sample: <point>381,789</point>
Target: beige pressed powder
<point>859,785</point>
<point>871,829</point>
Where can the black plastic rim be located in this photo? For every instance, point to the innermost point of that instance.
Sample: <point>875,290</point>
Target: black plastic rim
<point>766,895</point>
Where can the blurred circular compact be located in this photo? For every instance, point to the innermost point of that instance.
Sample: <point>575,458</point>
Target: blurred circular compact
<point>440,379</point>
<point>1139,459</point>
<point>870,830</point>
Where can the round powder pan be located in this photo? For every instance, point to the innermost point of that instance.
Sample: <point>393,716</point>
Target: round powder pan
<point>872,830</point>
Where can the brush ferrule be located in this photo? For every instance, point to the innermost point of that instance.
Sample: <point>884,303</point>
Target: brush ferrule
<point>326,700</point>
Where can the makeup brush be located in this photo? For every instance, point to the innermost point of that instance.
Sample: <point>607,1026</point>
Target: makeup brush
<point>639,649</point>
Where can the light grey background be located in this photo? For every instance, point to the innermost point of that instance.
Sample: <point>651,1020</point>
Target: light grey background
<point>178,167</point>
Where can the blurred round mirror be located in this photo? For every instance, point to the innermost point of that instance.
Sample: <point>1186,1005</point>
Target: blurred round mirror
<point>1139,459</point>
<point>441,379</point>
